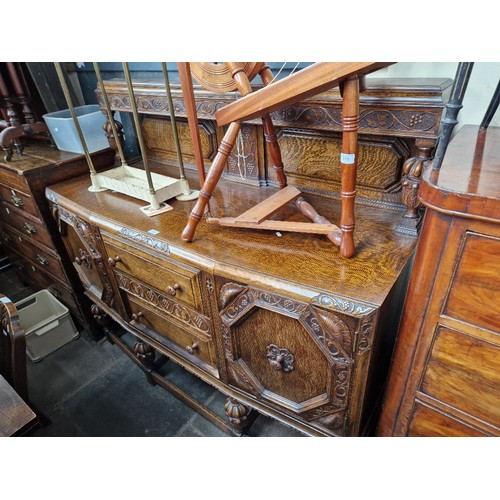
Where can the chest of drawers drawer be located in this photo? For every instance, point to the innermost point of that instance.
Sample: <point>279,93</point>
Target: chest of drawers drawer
<point>36,253</point>
<point>180,283</point>
<point>30,227</point>
<point>18,199</point>
<point>193,344</point>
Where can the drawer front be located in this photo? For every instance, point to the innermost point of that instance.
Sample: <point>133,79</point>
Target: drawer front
<point>17,200</point>
<point>13,179</point>
<point>30,227</point>
<point>192,346</point>
<point>178,282</point>
<point>42,258</point>
<point>37,276</point>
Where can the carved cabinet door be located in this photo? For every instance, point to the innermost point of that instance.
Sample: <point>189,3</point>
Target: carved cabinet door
<point>288,354</point>
<point>81,240</point>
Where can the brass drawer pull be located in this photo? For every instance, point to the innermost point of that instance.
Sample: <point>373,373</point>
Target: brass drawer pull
<point>15,200</point>
<point>112,262</point>
<point>136,317</point>
<point>42,260</point>
<point>279,358</point>
<point>29,228</point>
<point>192,348</point>
<point>172,290</point>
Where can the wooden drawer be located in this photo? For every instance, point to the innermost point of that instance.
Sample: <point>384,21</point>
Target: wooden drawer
<point>176,281</point>
<point>30,227</point>
<point>10,177</point>
<point>427,422</point>
<point>17,199</point>
<point>192,346</point>
<point>42,258</point>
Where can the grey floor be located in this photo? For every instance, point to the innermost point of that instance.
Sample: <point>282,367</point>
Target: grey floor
<point>89,388</point>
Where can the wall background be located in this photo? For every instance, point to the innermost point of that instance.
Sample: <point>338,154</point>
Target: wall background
<point>482,84</point>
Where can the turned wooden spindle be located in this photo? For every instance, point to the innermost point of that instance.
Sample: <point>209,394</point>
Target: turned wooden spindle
<point>20,92</point>
<point>349,162</point>
<point>211,181</point>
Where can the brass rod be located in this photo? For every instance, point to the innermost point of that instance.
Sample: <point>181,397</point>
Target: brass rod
<point>69,101</point>
<point>137,122</point>
<point>173,121</point>
<point>110,114</point>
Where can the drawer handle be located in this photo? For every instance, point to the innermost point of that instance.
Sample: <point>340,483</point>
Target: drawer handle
<point>279,358</point>
<point>191,349</point>
<point>172,289</point>
<point>6,238</point>
<point>112,262</point>
<point>136,317</point>
<point>83,258</point>
<point>16,201</point>
<point>29,228</point>
<point>42,260</point>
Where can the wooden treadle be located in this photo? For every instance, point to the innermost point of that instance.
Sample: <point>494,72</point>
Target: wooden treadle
<point>256,217</point>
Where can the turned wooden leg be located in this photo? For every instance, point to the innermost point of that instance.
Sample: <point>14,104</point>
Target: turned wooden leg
<point>237,414</point>
<point>349,162</point>
<point>146,355</point>
<point>211,181</point>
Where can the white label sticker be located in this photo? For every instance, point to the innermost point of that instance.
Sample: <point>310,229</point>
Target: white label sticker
<point>347,159</point>
<point>153,231</point>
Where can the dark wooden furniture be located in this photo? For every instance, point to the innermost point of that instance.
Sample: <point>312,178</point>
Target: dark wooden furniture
<point>16,417</point>
<point>445,375</point>
<point>28,232</point>
<point>12,347</point>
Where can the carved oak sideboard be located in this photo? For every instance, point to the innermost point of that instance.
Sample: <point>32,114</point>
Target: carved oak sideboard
<point>281,324</point>
<point>277,322</point>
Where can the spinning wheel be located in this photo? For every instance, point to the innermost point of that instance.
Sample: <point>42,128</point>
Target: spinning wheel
<point>275,95</point>
<point>217,77</point>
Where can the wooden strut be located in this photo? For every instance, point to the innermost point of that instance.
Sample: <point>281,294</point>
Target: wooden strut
<point>257,217</point>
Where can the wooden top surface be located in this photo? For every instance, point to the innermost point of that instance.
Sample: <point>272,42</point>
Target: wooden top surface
<point>300,264</point>
<point>15,414</point>
<point>469,179</point>
<point>36,155</point>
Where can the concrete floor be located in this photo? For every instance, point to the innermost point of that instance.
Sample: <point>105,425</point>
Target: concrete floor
<point>89,388</point>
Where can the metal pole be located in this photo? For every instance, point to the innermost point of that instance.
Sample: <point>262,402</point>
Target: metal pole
<point>138,127</point>
<point>69,101</point>
<point>453,106</point>
<point>173,121</point>
<point>110,114</point>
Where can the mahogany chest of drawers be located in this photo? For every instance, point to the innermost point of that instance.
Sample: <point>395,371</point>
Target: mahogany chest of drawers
<point>445,376</point>
<point>28,233</point>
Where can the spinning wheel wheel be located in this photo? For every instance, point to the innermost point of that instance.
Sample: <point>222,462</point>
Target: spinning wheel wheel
<point>217,77</point>
<point>307,83</point>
